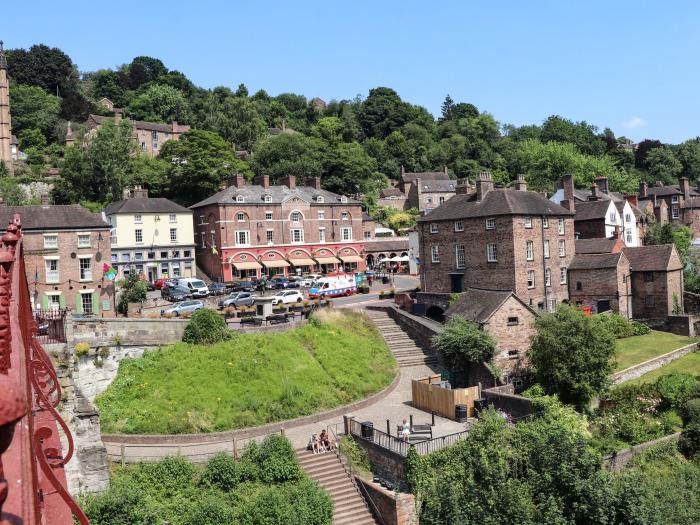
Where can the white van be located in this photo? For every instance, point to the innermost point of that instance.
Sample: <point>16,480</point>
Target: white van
<point>197,287</point>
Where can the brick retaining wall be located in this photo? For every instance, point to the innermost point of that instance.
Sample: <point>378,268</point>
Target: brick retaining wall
<point>395,508</point>
<point>616,462</point>
<point>635,371</point>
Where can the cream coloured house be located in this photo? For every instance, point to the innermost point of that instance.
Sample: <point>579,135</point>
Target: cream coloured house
<point>151,236</point>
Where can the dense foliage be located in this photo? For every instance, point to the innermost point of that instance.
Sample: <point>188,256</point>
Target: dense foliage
<point>463,344</point>
<point>206,327</point>
<point>265,486</point>
<point>621,327</point>
<point>133,290</point>
<point>572,354</point>
<point>252,380</point>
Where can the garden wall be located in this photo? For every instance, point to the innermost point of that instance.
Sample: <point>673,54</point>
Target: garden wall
<point>395,508</point>
<point>109,331</point>
<point>516,406</point>
<point>616,462</point>
<point>635,371</point>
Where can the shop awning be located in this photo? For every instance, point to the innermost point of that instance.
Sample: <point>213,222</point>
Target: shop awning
<point>275,264</point>
<point>351,258</point>
<point>326,260</point>
<point>247,265</point>
<point>302,262</point>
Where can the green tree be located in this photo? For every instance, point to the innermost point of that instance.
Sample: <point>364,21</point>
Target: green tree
<point>133,290</point>
<point>159,103</point>
<point>10,191</point>
<point>581,134</point>
<point>688,154</point>
<point>668,233</point>
<point>572,355</point>
<point>33,108</point>
<point>31,138</point>
<point>142,70</point>
<point>463,344</point>
<point>288,154</point>
<point>663,165</point>
<point>384,112</point>
<point>106,83</point>
<point>642,150</point>
<point>199,163</point>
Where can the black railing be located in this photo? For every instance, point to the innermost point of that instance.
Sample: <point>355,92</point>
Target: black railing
<point>438,443</point>
<point>50,325</point>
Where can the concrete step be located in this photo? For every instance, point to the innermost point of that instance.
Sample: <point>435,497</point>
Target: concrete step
<point>353,518</point>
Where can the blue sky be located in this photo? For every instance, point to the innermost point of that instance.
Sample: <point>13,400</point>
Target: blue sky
<point>631,66</point>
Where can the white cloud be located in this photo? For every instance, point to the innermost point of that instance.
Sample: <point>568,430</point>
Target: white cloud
<point>634,123</point>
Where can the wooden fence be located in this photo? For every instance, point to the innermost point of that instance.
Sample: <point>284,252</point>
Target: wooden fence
<point>428,396</point>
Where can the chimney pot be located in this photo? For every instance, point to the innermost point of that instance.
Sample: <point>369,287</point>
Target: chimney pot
<point>520,183</point>
<point>463,187</point>
<point>602,183</point>
<point>659,184</point>
<point>594,192</point>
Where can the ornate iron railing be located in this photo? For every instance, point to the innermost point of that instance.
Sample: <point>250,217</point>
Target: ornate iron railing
<point>33,487</point>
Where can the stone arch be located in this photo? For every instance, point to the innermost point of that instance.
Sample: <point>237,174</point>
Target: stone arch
<point>435,313</point>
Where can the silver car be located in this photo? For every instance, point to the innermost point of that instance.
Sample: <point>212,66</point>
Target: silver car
<point>183,307</point>
<point>237,299</point>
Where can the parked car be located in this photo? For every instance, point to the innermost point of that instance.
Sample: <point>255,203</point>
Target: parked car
<point>293,283</point>
<point>183,307</point>
<point>237,299</point>
<point>175,293</point>
<point>243,286</point>
<point>280,282</point>
<point>217,289</point>
<point>288,296</point>
<point>197,287</point>
<point>163,281</point>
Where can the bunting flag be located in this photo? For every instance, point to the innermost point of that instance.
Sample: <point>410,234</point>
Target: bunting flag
<point>109,271</point>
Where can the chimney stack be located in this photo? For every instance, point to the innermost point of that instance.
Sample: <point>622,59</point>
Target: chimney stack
<point>403,171</point>
<point>644,190</point>
<point>594,192</point>
<point>567,183</point>
<point>262,180</point>
<point>616,234</point>
<point>44,199</point>
<point>316,183</point>
<point>602,183</point>
<point>236,180</point>
<point>632,199</point>
<point>520,183</point>
<point>484,184</point>
<point>684,186</point>
<point>139,193</point>
<point>290,181</point>
<point>126,193</point>
<point>444,169</point>
<point>659,184</point>
<point>463,187</point>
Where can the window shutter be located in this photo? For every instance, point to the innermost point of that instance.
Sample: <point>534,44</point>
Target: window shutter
<point>61,301</point>
<point>96,306</point>
<point>78,303</point>
<point>45,302</point>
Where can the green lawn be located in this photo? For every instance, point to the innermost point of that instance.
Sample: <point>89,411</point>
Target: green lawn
<point>639,348</point>
<point>689,364</point>
<point>252,380</point>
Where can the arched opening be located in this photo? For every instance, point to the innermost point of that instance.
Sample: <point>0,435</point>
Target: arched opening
<point>435,313</point>
<point>369,260</point>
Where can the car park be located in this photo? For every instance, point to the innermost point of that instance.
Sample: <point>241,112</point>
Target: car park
<point>217,289</point>
<point>175,293</point>
<point>287,297</point>
<point>183,307</point>
<point>243,286</point>
<point>197,287</point>
<point>237,299</point>
<point>280,282</point>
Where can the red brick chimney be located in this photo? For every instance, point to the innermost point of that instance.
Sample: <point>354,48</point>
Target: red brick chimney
<point>484,184</point>
<point>290,181</point>
<point>237,180</point>
<point>567,183</point>
<point>262,180</point>
<point>644,189</point>
<point>316,183</point>
<point>602,183</point>
<point>632,199</point>
<point>684,186</point>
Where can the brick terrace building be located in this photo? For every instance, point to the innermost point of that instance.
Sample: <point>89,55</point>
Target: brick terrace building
<point>601,281</point>
<point>667,202</point>
<point>423,191</point>
<point>503,239</point>
<point>64,251</point>
<point>247,231</point>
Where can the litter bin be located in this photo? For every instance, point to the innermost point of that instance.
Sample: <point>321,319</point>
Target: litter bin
<point>461,413</point>
<point>367,430</point>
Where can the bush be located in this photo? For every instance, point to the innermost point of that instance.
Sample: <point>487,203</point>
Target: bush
<point>276,460</point>
<point>222,472</point>
<point>691,411</point>
<point>206,327</point>
<point>209,510</point>
<point>689,442</point>
<point>134,290</point>
<point>354,454</point>
<point>167,477</point>
<point>462,343</point>
<point>121,504</point>
<point>617,325</point>
<point>676,389</point>
<point>82,349</point>
<point>640,328</point>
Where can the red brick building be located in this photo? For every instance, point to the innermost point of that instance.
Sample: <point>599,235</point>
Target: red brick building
<point>496,238</point>
<point>65,248</point>
<point>248,231</point>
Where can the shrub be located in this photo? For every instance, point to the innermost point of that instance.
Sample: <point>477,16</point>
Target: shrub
<point>354,454</point>
<point>675,389</point>
<point>640,328</point>
<point>134,290</point>
<point>209,509</point>
<point>462,343</point>
<point>169,476</point>
<point>121,504</point>
<point>689,442</point>
<point>221,472</point>
<point>206,327</point>
<point>618,325</point>
<point>82,349</point>
<point>104,352</point>
<point>691,411</point>
<point>276,460</point>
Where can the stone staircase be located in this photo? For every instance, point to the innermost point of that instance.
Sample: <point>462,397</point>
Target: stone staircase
<point>201,274</point>
<point>404,348</point>
<point>327,470</point>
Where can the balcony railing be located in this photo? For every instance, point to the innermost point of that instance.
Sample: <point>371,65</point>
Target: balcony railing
<point>33,487</point>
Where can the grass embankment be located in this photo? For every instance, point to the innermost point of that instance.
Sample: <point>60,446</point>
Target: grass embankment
<point>688,364</point>
<point>639,348</point>
<point>337,358</point>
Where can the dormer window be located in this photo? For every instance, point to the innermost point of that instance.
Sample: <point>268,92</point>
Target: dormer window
<point>343,199</point>
<point>240,198</point>
<point>267,198</point>
<point>319,198</point>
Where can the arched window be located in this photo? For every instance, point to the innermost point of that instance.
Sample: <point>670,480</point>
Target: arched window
<point>344,215</point>
<point>240,216</point>
<point>240,198</point>
<point>295,216</point>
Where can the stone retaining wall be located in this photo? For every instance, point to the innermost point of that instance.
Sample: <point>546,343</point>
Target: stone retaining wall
<point>616,462</point>
<point>118,331</point>
<point>635,371</point>
<point>516,406</point>
<point>386,465</point>
<point>395,508</point>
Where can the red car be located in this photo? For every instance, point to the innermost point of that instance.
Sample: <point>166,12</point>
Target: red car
<point>159,283</point>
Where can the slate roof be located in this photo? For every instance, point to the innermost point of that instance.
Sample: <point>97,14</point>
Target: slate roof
<point>478,304</point>
<point>495,202</point>
<point>663,191</point>
<point>661,257</point>
<point>147,205</point>
<point>595,261</point>
<point>599,245</point>
<point>437,186</point>
<point>150,126</point>
<point>366,217</point>
<point>387,245</point>
<point>390,192</point>
<point>591,210</point>
<point>254,195</point>
<point>53,217</point>
<point>425,175</point>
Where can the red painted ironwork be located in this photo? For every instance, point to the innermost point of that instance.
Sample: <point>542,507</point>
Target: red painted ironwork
<point>33,487</point>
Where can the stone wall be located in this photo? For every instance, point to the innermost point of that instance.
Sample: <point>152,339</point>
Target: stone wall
<point>125,331</point>
<point>640,369</point>
<point>395,508</point>
<point>687,325</point>
<point>386,465</point>
<point>616,462</point>
<point>514,405</point>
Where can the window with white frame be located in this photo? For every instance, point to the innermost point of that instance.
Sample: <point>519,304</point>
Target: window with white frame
<point>54,301</point>
<point>268,215</point>
<point>562,275</point>
<point>83,240</point>
<point>267,198</point>
<point>562,248</point>
<point>530,250</point>
<point>50,242</point>
<point>321,215</point>
<point>459,226</point>
<point>295,216</point>
<point>460,257</point>
<point>138,236</point>
<point>435,254</point>
<point>240,198</point>
<point>321,235</point>
<point>85,268</point>
<point>368,235</point>
<point>545,222</point>
<point>240,216</point>
<point>344,216</point>
<point>628,235</point>
<point>172,218</point>
<point>343,199</point>
<point>242,238</point>
<point>433,227</point>
<point>270,236</point>
<point>173,234</point>
<point>545,247</point>
<point>319,198</point>
<point>297,235</point>
<point>86,303</point>
<point>628,217</point>
<point>346,234</point>
<point>491,252</point>
<point>113,236</point>
<point>52,271</point>
<point>674,199</point>
<point>528,222</point>
<point>138,219</point>
<point>531,278</point>
<point>613,216</point>
<point>675,212</point>
<point>561,226</point>
<point>490,223</point>
<point>547,277</point>
<point>203,236</point>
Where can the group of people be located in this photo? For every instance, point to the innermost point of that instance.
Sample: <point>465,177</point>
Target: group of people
<point>321,443</point>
